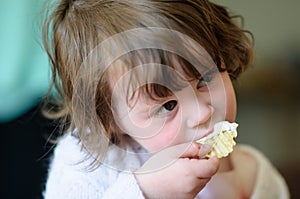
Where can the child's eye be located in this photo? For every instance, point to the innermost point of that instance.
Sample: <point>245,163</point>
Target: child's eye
<point>167,107</point>
<point>204,80</point>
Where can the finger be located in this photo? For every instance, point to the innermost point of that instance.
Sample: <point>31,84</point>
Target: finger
<point>196,150</point>
<point>203,168</point>
<point>184,150</point>
<point>170,155</point>
<point>204,150</point>
<point>190,150</point>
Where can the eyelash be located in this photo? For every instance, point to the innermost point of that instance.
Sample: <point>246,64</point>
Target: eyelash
<point>164,109</point>
<point>205,79</point>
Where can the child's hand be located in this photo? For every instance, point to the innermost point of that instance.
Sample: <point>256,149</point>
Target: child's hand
<point>177,171</point>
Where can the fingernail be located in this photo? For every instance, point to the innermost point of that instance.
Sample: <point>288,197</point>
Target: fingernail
<point>205,149</point>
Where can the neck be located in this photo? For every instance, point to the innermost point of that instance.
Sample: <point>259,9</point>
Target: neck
<point>225,164</point>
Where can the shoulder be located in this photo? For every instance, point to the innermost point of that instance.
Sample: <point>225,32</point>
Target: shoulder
<point>266,181</point>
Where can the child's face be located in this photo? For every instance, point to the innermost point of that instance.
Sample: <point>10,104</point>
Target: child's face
<point>189,114</point>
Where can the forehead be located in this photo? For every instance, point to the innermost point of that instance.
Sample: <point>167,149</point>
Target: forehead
<point>155,73</point>
<point>157,66</point>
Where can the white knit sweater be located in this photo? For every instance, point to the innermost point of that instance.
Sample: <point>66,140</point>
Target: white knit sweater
<point>69,179</point>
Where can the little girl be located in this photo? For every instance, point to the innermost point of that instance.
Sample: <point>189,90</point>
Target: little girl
<point>139,82</point>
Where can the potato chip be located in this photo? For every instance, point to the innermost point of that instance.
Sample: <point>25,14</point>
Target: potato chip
<point>221,140</point>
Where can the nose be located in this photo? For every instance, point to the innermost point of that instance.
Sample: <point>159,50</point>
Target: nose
<point>199,115</point>
<point>196,108</point>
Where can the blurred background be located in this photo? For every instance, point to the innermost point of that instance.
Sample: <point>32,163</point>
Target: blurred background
<point>24,78</point>
<point>268,93</point>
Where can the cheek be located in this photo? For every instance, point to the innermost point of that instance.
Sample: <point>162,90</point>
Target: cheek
<point>230,105</point>
<point>223,99</point>
<point>166,137</point>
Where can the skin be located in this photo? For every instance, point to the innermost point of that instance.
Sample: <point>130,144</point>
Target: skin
<point>168,128</point>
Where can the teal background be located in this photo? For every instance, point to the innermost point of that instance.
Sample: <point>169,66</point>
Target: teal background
<point>24,73</point>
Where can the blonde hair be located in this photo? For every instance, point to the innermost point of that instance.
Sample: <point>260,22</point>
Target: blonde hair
<point>73,29</point>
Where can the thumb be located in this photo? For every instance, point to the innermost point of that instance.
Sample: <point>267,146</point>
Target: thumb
<point>196,150</point>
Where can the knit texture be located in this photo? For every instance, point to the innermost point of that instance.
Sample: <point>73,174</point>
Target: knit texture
<point>69,179</point>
